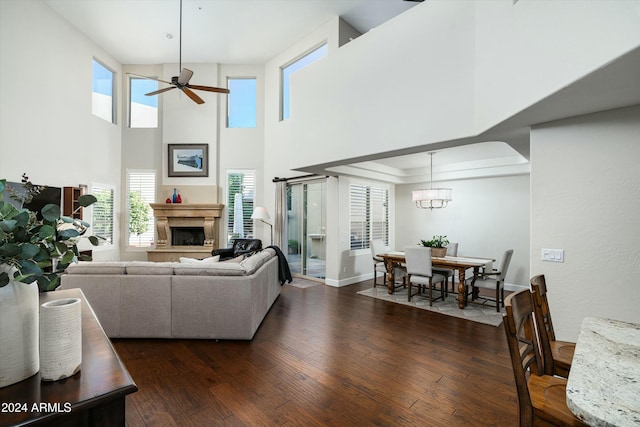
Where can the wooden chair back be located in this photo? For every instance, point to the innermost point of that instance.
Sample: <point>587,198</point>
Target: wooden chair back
<point>541,304</point>
<point>545,326</point>
<point>519,326</point>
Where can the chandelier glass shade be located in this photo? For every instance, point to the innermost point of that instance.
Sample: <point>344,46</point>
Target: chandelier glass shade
<point>431,198</point>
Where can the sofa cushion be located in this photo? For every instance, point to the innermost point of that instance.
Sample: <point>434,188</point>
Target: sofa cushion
<point>255,261</point>
<point>237,259</point>
<point>97,267</point>
<point>214,269</point>
<point>208,260</point>
<point>150,268</point>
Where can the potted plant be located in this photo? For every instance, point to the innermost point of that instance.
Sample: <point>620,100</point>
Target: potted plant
<point>33,249</point>
<point>438,245</point>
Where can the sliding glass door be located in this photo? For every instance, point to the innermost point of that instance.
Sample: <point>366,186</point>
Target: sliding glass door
<point>306,227</point>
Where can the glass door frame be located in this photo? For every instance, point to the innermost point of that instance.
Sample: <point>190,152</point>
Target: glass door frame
<point>308,247</point>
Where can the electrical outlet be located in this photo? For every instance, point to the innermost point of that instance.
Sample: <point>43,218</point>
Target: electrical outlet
<point>552,255</point>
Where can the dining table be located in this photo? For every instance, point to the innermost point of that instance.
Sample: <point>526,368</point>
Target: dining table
<point>394,259</point>
<point>603,388</point>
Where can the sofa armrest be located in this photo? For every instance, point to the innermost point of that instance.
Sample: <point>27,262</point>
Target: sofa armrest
<point>225,253</point>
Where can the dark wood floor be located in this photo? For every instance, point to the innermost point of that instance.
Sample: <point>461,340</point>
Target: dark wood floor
<point>326,356</point>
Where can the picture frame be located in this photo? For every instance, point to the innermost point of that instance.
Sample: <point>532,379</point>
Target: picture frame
<point>188,160</point>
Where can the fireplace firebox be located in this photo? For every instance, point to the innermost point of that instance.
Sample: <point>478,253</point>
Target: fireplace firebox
<point>187,236</point>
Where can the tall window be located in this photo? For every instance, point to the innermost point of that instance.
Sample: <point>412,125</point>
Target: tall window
<point>241,186</point>
<point>143,110</point>
<point>102,92</point>
<point>141,192</point>
<point>291,68</point>
<point>242,103</point>
<point>369,215</point>
<point>102,219</point>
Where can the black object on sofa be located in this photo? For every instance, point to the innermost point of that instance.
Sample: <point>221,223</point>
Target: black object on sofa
<point>239,247</point>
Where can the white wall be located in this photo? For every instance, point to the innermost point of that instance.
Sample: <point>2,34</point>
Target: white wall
<point>446,70</point>
<point>406,83</point>
<point>346,266</point>
<point>47,129</point>
<point>528,50</point>
<point>585,199</point>
<point>486,217</point>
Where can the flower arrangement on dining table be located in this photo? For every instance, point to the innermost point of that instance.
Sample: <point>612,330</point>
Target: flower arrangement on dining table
<point>435,242</point>
<point>36,249</point>
<point>438,245</point>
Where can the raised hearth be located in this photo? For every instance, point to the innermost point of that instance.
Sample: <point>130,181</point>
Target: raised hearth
<point>172,217</point>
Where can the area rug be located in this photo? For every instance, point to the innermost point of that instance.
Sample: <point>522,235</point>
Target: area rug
<point>474,312</point>
<point>299,282</point>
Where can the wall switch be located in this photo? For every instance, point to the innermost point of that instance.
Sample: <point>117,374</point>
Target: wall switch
<point>553,255</point>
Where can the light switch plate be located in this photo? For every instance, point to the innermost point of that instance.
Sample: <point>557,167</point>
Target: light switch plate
<point>552,255</point>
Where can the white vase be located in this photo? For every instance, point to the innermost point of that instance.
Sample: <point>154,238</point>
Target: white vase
<point>19,358</point>
<point>60,338</point>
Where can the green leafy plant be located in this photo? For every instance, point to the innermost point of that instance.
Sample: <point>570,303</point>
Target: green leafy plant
<point>138,214</point>
<point>38,250</point>
<point>435,242</point>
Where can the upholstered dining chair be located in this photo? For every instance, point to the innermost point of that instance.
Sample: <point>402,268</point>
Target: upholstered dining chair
<point>420,272</point>
<point>541,398</point>
<point>558,355</point>
<point>452,250</point>
<point>494,279</point>
<point>377,247</point>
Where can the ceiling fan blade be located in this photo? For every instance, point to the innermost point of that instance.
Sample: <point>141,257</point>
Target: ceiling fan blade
<point>159,91</point>
<point>208,88</point>
<point>185,76</point>
<point>149,78</point>
<point>193,96</point>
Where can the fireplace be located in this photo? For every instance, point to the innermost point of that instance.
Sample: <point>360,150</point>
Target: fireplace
<point>185,230</point>
<point>187,236</point>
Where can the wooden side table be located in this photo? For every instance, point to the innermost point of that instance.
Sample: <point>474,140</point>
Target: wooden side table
<point>95,396</point>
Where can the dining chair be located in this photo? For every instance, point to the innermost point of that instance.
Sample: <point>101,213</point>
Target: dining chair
<point>493,279</point>
<point>541,398</point>
<point>377,247</point>
<point>420,272</point>
<point>558,355</point>
<point>452,250</point>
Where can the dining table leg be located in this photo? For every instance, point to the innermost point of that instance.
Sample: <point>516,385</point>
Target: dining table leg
<point>462,286</point>
<point>390,266</point>
<point>462,291</point>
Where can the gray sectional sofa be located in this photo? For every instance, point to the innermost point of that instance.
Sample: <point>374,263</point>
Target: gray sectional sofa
<point>141,299</point>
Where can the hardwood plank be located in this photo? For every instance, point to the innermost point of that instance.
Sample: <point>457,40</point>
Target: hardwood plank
<point>327,356</point>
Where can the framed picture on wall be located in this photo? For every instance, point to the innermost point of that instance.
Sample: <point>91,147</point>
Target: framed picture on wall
<point>188,160</point>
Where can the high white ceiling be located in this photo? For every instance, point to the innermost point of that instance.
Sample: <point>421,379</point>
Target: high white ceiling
<point>255,31</point>
<point>213,31</point>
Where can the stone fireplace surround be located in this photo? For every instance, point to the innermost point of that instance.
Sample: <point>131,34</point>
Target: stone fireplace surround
<point>170,215</point>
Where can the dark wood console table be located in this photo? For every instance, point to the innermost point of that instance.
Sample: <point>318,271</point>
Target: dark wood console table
<point>95,396</point>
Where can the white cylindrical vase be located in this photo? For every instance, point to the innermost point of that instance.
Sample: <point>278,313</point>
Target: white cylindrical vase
<point>18,331</point>
<point>60,338</point>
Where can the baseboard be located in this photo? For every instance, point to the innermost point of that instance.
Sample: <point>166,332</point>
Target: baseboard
<point>351,280</point>
<point>512,287</point>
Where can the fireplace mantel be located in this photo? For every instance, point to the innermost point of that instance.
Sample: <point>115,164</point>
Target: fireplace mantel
<point>169,215</point>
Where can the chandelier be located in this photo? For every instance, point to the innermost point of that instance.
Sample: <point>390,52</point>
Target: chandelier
<point>431,198</point>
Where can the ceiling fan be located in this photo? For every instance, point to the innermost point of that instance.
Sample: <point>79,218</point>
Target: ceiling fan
<point>182,81</point>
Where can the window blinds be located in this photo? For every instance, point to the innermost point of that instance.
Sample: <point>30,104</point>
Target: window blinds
<point>369,215</point>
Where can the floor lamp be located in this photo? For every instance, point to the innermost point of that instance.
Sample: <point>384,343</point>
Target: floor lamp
<point>262,214</point>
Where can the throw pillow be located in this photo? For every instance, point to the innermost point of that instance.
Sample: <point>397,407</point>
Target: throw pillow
<point>236,259</point>
<point>208,260</point>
